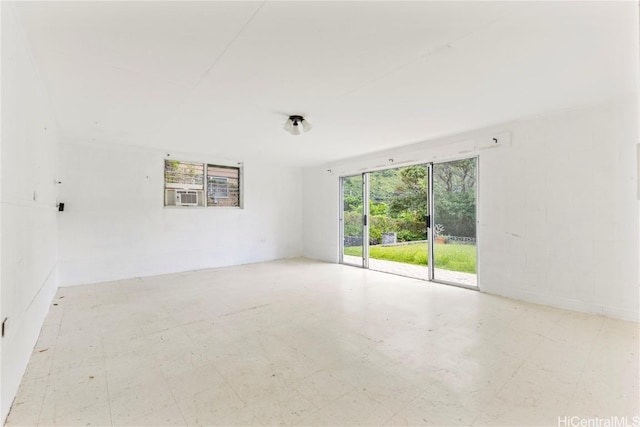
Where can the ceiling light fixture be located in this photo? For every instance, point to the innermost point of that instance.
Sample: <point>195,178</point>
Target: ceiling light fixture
<point>296,125</point>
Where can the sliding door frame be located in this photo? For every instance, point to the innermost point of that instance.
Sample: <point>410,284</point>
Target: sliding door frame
<point>432,212</point>
<point>365,230</point>
<point>365,220</point>
<point>430,218</point>
<point>341,219</point>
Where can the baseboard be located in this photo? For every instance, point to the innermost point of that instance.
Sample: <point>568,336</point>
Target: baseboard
<point>568,304</point>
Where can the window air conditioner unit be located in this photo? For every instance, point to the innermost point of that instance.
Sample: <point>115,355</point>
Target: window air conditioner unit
<point>186,198</point>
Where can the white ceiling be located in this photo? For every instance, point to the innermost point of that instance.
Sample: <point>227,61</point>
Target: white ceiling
<point>220,78</point>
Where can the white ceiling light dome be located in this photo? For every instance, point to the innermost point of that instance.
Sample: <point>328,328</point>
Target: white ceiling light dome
<point>297,125</point>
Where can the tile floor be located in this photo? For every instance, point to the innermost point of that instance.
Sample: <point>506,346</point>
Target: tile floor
<point>299,342</point>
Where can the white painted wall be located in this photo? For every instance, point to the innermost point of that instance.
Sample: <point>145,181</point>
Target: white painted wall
<point>557,208</point>
<point>115,226</point>
<point>29,275</point>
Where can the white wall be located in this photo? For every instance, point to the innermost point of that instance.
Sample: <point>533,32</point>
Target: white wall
<point>557,208</point>
<point>115,226</point>
<point>29,276</point>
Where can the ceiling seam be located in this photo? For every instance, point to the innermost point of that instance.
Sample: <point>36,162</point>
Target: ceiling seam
<point>215,62</point>
<point>224,51</point>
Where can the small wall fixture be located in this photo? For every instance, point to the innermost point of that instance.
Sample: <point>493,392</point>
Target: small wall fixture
<point>297,125</point>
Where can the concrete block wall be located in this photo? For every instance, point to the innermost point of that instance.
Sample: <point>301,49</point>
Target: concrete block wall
<point>557,206</point>
<point>115,225</point>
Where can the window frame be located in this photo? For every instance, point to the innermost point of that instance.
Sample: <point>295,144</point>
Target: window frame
<point>203,189</point>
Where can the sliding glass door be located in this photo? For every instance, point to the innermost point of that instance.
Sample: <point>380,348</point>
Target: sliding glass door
<point>352,220</point>
<point>417,221</point>
<point>454,222</point>
<point>398,210</point>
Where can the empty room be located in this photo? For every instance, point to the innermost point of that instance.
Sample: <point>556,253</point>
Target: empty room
<point>325,213</point>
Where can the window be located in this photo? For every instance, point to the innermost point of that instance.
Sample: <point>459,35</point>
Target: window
<point>223,186</point>
<point>184,184</point>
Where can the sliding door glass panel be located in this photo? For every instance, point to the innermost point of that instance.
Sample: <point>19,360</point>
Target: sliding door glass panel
<point>397,221</point>
<point>352,220</point>
<point>454,222</point>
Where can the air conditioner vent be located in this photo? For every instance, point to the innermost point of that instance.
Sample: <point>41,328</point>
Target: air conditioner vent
<point>186,198</point>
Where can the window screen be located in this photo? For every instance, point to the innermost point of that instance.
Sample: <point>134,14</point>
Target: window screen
<point>223,186</point>
<point>185,175</point>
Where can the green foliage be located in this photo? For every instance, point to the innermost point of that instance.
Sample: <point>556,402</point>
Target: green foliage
<point>353,185</point>
<point>377,208</point>
<point>410,200</point>
<point>453,257</point>
<point>381,224</point>
<point>405,235</point>
<point>351,203</point>
<point>353,224</point>
<point>398,201</point>
<point>455,197</point>
<point>410,254</point>
<point>383,185</point>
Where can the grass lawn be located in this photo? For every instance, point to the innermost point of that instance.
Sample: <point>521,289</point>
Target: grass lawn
<point>451,256</point>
